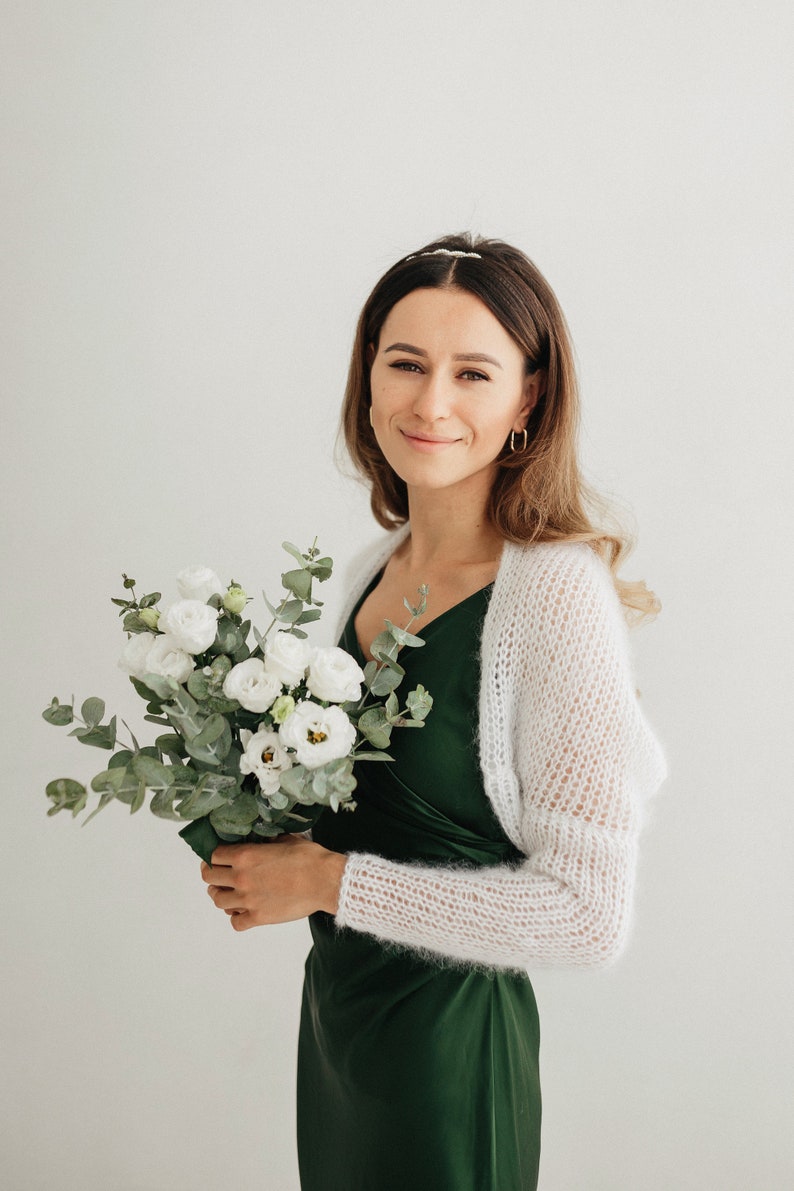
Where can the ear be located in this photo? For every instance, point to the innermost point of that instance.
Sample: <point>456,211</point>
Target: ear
<point>534,388</point>
<point>371,353</point>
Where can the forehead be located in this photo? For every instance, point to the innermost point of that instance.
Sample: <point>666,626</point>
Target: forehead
<point>448,320</point>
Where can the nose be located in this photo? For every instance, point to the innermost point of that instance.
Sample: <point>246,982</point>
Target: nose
<point>432,398</point>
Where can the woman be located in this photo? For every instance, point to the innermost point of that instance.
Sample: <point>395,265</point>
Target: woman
<point>504,834</point>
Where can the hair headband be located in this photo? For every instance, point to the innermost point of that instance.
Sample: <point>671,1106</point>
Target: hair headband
<point>443,252</point>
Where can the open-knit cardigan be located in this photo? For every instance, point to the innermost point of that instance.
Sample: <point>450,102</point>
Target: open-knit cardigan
<point>567,762</point>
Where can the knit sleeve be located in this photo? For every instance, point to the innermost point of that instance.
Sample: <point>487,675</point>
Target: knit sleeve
<point>567,760</point>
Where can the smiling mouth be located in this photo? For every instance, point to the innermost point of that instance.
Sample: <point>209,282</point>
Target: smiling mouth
<point>427,439</point>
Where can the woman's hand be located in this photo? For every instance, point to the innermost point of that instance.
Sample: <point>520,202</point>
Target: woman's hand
<point>286,878</point>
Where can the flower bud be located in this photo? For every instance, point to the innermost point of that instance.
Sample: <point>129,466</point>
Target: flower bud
<point>235,599</point>
<point>150,617</point>
<point>283,706</point>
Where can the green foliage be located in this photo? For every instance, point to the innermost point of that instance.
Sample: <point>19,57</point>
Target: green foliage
<point>58,713</point>
<point>192,770</point>
<point>419,703</point>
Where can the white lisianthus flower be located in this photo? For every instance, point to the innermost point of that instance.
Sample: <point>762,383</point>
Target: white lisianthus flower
<point>264,756</point>
<point>287,657</point>
<point>135,653</point>
<point>198,583</point>
<point>167,658</point>
<point>334,675</point>
<point>250,684</point>
<point>192,624</point>
<point>318,734</point>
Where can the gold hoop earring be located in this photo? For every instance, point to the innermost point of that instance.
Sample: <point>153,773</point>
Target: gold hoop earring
<point>513,446</point>
<point>372,424</point>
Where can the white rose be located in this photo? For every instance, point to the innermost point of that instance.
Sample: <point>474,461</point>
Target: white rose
<point>318,734</point>
<point>265,756</point>
<point>250,684</point>
<point>334,675</point>
<point>135,653</point>
<point>167,658</point>
<point>287,657</point>
<point>198,583</point>
<point>192,624</point>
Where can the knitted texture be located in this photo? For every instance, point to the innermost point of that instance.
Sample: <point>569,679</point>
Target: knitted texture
<point>567,761</point>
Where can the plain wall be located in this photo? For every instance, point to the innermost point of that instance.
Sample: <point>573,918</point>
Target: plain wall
<point>196,198</point>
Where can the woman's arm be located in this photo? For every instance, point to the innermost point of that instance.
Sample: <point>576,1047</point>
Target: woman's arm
<point>568,759</point>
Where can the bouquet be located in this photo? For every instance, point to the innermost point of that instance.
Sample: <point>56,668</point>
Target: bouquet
<point>257,738</point>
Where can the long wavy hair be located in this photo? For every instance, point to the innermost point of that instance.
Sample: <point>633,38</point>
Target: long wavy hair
<point>539,494</point>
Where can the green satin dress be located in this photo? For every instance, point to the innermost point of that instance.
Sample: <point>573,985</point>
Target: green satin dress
<point>415,1075</point>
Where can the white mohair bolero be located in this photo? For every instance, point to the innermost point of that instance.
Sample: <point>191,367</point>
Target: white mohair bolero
<point>567,762</point>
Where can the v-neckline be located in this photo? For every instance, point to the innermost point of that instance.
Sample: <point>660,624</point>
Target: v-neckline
<point>422,632</point>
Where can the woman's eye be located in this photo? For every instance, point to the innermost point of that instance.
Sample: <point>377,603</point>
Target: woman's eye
<point>406,366</point>
<point>472,374</point>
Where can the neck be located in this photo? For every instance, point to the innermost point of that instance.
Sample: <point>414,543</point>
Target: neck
<point>447,529</point>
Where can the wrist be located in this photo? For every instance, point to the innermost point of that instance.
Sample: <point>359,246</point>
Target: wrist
<point>334,867</point>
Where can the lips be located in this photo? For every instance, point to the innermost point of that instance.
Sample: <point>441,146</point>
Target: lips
<point>430,441</point>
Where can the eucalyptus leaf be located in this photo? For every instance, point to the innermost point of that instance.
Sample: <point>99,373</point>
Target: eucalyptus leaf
<point>120,759</point>
<point>228,638</point>
<point>419,703</point>
<point>221,665</point>
<point>156,775</point>
<point>322,568</point>
<point>384,646</point>
<point>299,582</point>
<point>308,615</point>
<point>162,805</point>
<point>237,817</point>
<point>65,794</point>
<point>92,712</point>
<point>159,685</point>
<point>132,623</point>
<point>372,756</point>
<point>101,738</point>
<point>199,686</point>
<point>374,726</point>
<point>403,636</point>
<point>171,745</point>
<point>59,713</point>
<point>294,551</point>
<point>289,611</point>
<point>103,802</point>
<point>212,730</point>
<point>146,694</point>
<point>138,799</point>
<point>387,679</point>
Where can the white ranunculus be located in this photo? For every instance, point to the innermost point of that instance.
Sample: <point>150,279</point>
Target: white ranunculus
<point>250,684</point>
<point>167,658</point>
<point>318,734</point>
<point>135,653</point>
<point>198,583</point>
<point>334,675</point>
<point>264,756</point>
<point>287,657</point>
<point>191,623</point>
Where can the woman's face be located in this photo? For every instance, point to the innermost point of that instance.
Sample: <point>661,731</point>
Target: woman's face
<point>448,385</point>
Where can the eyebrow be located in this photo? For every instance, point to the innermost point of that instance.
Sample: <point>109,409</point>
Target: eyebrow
<point>473,357</point>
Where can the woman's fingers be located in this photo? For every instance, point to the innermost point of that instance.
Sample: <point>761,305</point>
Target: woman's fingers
<point>221,875</point>
<point>225,899</point>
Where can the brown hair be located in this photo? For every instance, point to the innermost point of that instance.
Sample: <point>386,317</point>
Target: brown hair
<point>539,494</point>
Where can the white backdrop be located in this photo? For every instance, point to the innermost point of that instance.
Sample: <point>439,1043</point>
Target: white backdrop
<point>196,198</point>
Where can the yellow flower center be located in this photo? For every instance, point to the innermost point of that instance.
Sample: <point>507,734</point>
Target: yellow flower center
<point>317,737</point>
<point>267,756</point>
